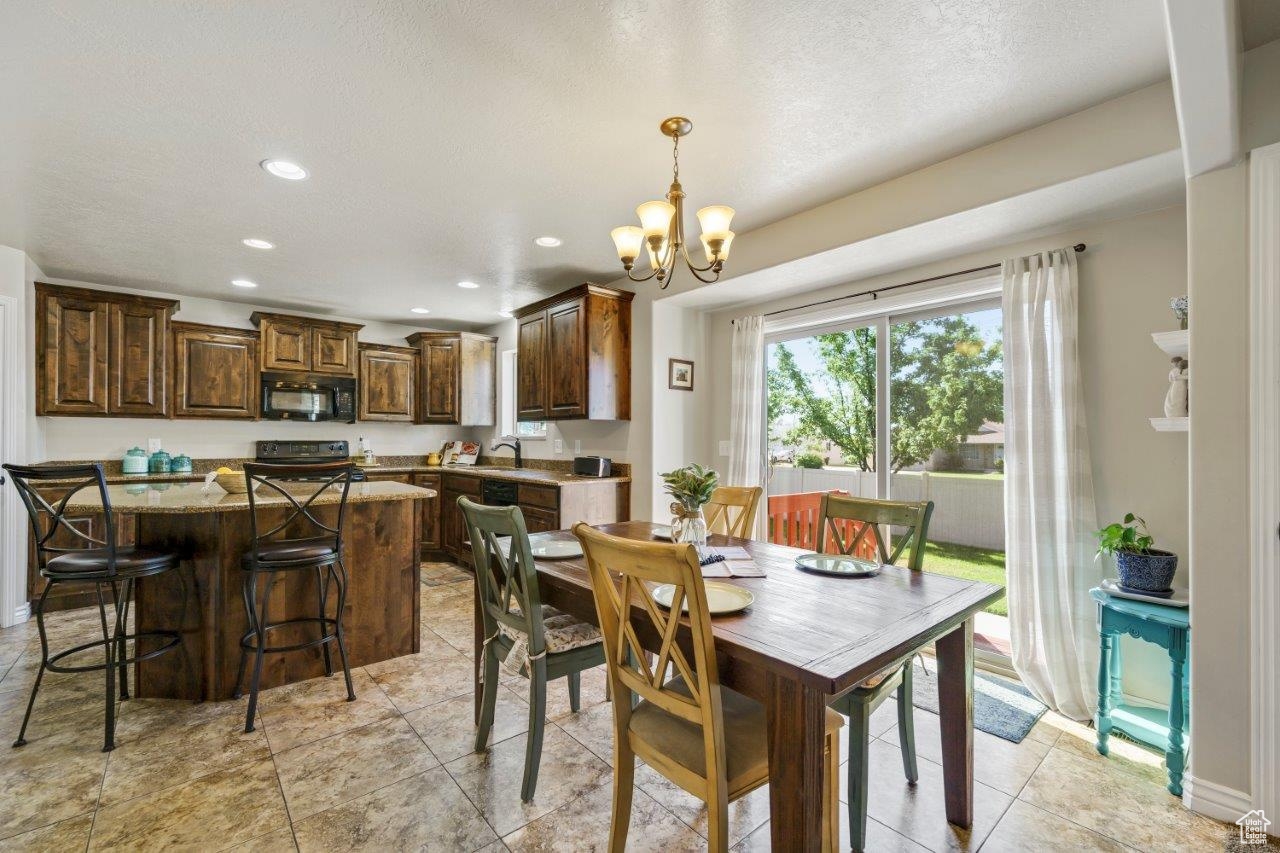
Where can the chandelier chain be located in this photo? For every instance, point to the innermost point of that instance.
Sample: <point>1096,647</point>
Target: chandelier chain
<point>675,159</point>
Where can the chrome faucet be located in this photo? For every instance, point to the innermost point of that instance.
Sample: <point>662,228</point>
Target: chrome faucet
<point>514,444</point>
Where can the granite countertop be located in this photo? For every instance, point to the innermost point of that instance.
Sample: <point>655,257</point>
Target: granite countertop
<point>538,476</point>
<point>193,498</point>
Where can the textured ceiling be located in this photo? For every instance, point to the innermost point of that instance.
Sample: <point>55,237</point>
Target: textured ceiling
<point>443,137</point>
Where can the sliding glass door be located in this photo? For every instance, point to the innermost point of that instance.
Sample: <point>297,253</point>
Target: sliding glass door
<point>903,406</point>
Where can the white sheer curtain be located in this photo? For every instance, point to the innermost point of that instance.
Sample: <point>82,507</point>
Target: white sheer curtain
<point>746,404</point>
<point>1049,508</point>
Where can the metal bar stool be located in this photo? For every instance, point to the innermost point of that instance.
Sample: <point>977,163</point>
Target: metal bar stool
<point>100,562</point>
<point>281,549</point>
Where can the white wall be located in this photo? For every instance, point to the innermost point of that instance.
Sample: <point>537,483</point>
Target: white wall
<point>72,438</point>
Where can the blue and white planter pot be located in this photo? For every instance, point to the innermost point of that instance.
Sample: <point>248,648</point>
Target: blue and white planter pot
<point>1152,571</point>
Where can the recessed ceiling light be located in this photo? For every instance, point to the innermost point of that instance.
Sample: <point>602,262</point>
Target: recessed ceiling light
<point>505,312</point>
<point>420,310</point>
<point>255,243</point>
<point>547,242</point>
<point>468,285</point>
<point>285,169</point>
<point>243,282</point>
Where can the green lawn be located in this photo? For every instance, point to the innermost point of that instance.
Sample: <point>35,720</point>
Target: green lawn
<point>965,561</point>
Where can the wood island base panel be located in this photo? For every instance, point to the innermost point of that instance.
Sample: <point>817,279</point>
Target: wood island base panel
<point>205,598</point>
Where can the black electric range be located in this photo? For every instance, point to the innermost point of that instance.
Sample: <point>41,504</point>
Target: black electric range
<point>305,453</point>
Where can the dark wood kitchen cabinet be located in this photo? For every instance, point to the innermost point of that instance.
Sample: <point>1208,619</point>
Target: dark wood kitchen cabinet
<point>456,378</point>
<point>453,526</point>
<point>307,345</point>
<point>429,542</point>
<point>388,383</point>
<point>573,356</point>
<point>215,372</point>
<point>101,353</point>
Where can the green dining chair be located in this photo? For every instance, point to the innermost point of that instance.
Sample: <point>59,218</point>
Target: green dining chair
<point>548,644</point>
<point>849,525</point>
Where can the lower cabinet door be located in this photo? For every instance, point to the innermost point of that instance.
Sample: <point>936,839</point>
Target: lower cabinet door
<point>537,520</point>
<point>430,511</point>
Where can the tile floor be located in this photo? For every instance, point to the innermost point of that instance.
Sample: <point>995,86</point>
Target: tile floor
<point>395,770</point>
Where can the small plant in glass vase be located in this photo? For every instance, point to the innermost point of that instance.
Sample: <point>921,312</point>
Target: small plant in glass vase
<point>1142,568</point>
<point>691,486</point>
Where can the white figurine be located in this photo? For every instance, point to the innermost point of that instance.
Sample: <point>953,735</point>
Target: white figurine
<point>1175,401</point>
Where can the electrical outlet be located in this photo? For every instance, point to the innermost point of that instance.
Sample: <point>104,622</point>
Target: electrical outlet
<point>153,445</point>
<point>577,447</point>
<point>559,446</point>
<point>724,448</point>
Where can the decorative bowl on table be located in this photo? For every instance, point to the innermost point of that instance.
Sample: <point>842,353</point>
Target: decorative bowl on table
<point>232,482</point>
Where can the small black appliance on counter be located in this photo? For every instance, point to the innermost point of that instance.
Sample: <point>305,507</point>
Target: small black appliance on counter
<point>593,466</point>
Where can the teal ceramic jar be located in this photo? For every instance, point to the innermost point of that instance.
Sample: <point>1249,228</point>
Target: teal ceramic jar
<point>159,463</point>
<point>134,462</point>
<point>180,464</point>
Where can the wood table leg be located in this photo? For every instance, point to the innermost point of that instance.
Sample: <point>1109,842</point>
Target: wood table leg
<point>796,732</point>
<point>955,712</point>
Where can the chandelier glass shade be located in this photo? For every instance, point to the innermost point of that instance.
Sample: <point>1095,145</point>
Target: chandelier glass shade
<point>661,230</point>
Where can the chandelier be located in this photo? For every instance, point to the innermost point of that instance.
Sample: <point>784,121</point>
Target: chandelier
<point>661,229</point>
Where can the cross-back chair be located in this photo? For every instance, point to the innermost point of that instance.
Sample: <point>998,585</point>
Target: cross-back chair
<point>863,526</point>
<point>276,547</point>
<point>545,643</point>
<point>732,510</point>
<point>67,554</point>
<point>705,738</point>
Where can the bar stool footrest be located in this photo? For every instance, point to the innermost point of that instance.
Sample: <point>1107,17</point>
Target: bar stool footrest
<point>330,626</point>
<point>172,638</point>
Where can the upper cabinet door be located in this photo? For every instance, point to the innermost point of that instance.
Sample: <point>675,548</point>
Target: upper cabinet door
<point>138,360</point>
<point>333,351</point>
<point>386,385</point>
<point>215,372</point>
<point>531,367</point>
<point>72,354</point>
<point>286,345</point>
<point>440,381</point>
<point>567,360</point>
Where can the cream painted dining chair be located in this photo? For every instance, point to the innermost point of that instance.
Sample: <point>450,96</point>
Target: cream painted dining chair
<point>732,510</point>
<point>707,739</point>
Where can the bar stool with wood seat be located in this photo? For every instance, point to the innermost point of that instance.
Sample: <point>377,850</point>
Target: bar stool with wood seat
<point>299,542</point>
<point>100,562</point>
<point>732,510</point>
<point>709,740</point>
<point>846,525</point>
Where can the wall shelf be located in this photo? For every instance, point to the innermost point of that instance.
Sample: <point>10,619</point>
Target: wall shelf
<point>1171,424</point>
<point>1173,343</point>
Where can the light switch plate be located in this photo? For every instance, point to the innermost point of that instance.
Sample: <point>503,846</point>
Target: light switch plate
<point>724,448</point>
<point>559,446</point>
<point>577,447</point>
<point>153,445</point>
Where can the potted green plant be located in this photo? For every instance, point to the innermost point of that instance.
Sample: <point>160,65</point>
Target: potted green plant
<point>1142,567</point>
<point>691,486</point>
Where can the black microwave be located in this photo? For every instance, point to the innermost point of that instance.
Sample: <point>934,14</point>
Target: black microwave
<point>306,397</point>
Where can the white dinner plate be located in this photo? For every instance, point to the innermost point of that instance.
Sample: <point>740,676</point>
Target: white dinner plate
<point>722,598</point>
<point>837,564</point>
<point>662,531</point>
<point>554,549</point>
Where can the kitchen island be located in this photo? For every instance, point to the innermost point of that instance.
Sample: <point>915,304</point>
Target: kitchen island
<point>210,530</point>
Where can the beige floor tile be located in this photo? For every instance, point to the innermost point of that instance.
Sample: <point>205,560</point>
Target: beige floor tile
<point>1118,804</point>
<point>880,839</point>
<point>426,812</point>
<point>918,811</point>
<point>448,727</point>
<point>218,810</point>
<point>138,716</point>
<point>1126,755</point>
<point>746,814</point>
<point>1025,827</point>
<point>280,841</point>
<point>1002,764</point>
<point>160,756</point>
<point>455,630</point>
<point>443,574</point>
<point>593,728</point>
<point>310,710</point>
<point>415,681</point>
<point>593,692</point>
<point>72,834</point>
<point>328,772</point>
<point>492,779</point>
<point>583,825</point>
<point>50,779</point>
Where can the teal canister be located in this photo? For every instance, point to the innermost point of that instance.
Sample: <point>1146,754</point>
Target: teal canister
<point>158,463</point>
<point>180,464</point>
<point>134,462</point>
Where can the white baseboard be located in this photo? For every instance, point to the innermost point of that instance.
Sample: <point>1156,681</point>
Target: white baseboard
<point>22,613</point>
<point>1214,800</point>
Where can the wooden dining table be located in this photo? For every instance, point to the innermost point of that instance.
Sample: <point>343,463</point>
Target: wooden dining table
<point>808,638</point>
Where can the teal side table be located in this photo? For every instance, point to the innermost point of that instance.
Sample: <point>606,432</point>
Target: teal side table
<point>1170,628</point>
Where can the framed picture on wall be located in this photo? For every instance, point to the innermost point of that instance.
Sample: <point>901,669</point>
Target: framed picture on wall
<point>679,374</point>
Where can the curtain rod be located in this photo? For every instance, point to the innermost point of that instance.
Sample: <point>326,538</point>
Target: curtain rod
<point>1079,247</point>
